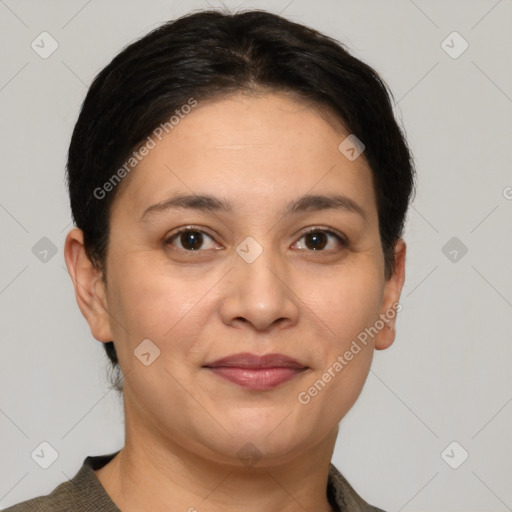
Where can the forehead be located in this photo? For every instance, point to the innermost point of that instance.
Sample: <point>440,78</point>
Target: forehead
<point>250,149</point>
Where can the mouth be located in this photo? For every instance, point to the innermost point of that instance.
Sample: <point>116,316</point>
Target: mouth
<point>256,372</point>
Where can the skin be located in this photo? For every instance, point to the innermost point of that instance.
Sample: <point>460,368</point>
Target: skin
<point>185,425</point>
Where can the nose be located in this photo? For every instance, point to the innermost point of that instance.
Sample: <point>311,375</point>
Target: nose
<point>259,294</point>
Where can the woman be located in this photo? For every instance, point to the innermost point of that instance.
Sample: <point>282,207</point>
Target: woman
<point>239,187</point>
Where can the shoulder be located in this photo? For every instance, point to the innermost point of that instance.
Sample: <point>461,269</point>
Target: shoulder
<point>345,496</point>
<point>59,499</point>
<point>83,493</point>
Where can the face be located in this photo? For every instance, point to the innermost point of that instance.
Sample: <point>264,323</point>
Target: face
<point>281,259</point>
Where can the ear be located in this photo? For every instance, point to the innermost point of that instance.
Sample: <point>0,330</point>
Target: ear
<point>391,297</point>
<point>89,288</point>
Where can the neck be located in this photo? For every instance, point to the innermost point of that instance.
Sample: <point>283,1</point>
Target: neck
<point>151,475</point>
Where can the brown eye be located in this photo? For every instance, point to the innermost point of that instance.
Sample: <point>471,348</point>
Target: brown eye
<point>319,239</point>
<point>316,240</point>
<point>189,239</point>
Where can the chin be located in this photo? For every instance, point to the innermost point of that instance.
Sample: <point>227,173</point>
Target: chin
<point>253,444</point>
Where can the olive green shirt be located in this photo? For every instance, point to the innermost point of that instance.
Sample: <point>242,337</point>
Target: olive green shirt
<point>84,493</point>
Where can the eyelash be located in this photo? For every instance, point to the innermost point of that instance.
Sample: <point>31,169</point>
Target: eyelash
<point>341,239</point>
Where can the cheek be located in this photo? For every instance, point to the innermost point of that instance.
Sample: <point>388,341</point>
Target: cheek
<point>331,393</point>
<point>347,302</point>
<point>347,307</point>
<point>145,303</point>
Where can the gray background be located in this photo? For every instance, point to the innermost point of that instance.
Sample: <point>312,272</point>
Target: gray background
<point>447,377</point>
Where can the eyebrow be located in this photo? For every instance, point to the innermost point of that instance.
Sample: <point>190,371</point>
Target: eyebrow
<point>208,203</point>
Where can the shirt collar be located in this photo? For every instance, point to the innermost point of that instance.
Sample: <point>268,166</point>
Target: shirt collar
<point>341,496</point>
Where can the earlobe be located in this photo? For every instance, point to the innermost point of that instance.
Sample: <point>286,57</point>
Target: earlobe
<point>391,299</point>
<point>90,290</point>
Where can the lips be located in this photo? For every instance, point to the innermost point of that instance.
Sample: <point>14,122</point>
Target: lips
<point>256,372</point>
